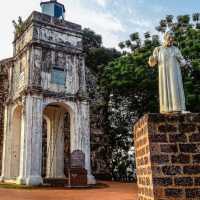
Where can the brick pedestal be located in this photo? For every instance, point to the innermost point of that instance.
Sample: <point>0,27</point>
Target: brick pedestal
<point>78,177</point>
<point>168,156</point>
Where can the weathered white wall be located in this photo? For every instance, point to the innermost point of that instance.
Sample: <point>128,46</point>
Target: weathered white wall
<point>71,85</point>
<point>6,157</point>
<point>31,142</point>
<point>30,79</point>
<point>16,136</point>
<point>79,128</point>
<point>19,75</point>
<point>55,141</point>
<point>12,137</point>
<point>31,138</point>
<point>23,40</point>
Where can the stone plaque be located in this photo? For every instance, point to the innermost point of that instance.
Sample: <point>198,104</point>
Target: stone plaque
<point>58,77</point>
<point>77,159</point>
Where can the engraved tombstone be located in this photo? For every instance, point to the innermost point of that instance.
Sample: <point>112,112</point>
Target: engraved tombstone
<point>77,159</point>
<point>78,174</point>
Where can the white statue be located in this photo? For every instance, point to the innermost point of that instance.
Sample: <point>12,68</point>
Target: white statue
<point>169,60</point>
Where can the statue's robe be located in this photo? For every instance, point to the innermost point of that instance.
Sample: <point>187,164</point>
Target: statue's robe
<point>172,98</point>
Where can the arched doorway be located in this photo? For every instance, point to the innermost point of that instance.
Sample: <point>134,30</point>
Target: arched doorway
<point>16,137</point>
<point>55,142</point>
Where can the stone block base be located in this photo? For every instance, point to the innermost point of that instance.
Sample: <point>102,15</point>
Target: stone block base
<point>78,177</point>
<point>91,180</point>
<point>34,181</point>
<point>168,156</point>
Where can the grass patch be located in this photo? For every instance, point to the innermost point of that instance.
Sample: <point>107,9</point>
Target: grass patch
<point>14,186</point>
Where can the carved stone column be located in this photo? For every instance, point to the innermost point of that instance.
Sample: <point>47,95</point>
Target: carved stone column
<point>31,142</point>
<point>83,136</point>
<point>6,157</point>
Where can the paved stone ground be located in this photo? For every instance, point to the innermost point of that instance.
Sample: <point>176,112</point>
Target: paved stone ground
<point>106,191</point>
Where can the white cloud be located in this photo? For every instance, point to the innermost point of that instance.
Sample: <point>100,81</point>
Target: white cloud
<point>10,10</point>
<point>103,23</point>
<point>102,3</point>
<point>78,11</point>
<point>113,19</point>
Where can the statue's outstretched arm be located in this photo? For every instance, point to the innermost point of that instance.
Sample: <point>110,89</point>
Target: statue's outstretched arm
<point>180,58</point>
<point>153,60</point>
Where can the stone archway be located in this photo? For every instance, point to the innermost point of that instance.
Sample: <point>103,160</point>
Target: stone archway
<point>55,142</point>
<point>29,169</point>
<point>15,141</point>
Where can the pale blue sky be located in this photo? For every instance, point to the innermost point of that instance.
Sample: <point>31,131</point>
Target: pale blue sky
<point>115,20</point>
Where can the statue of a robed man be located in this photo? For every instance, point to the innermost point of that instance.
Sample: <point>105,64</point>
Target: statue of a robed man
<point>169,60</point>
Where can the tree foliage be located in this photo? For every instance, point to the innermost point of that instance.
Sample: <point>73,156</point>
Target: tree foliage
<point>97,56</point>
<point>91,40</point>
<point>133,85</point>
<point>19,26</point>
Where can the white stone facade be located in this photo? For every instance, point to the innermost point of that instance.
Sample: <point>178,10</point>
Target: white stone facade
<point>30,151</point>
<point>42,49</point>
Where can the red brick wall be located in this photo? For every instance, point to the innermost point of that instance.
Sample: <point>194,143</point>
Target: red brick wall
<point>168,156</point>
<point>143,164</point>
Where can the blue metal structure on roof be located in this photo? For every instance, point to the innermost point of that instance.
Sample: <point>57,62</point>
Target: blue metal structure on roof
<point>53,8</point>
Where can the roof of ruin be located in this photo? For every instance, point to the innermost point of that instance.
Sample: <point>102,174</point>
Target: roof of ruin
<point>51,21</point>
<point>6,61</point>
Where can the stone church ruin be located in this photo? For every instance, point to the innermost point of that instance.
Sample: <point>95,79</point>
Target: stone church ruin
<point>44,109</point>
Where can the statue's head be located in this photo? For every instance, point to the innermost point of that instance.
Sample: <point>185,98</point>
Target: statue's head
<point>168,39</point>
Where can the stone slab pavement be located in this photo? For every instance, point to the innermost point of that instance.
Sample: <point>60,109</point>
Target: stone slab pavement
<point>105,191</point>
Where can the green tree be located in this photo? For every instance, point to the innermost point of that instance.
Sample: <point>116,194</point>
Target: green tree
<point>134,36</point>
<point>133,85</point>
<point>196,18</point>
<point>122,45</point>
<point>97,56</point>
<point>19,26</point>
<point>91,40</point>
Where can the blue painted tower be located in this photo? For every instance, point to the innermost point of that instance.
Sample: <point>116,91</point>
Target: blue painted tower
<point>53,8</point>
